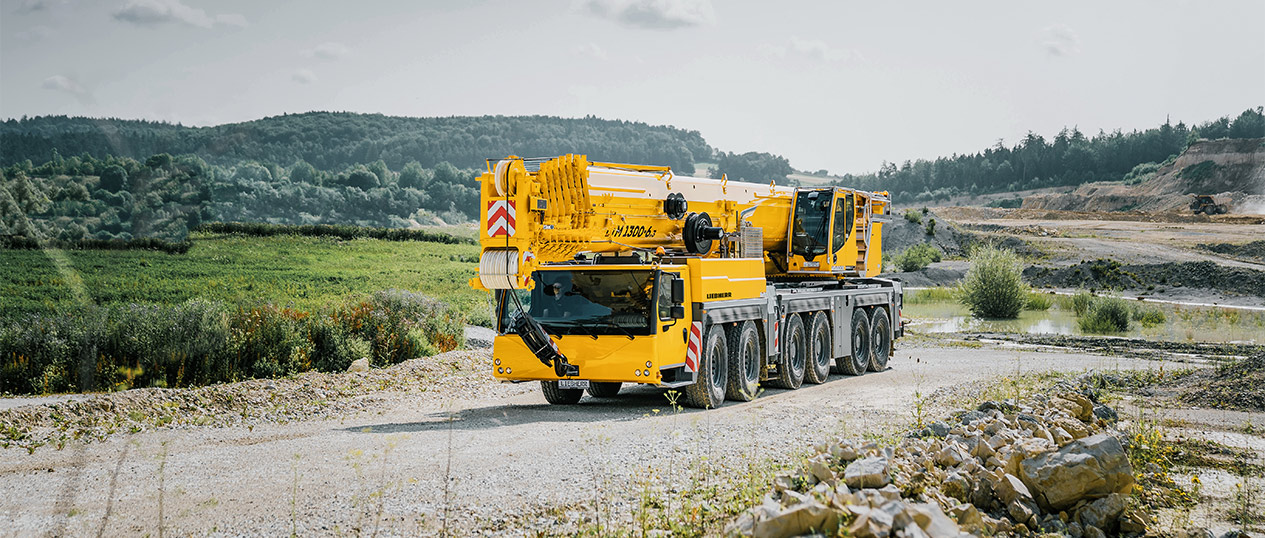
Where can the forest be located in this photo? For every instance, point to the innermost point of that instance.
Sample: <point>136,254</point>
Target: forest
<point>1070,159</point>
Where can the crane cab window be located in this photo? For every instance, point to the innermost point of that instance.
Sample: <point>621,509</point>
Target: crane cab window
<point>811,228</point>
<point>844,218</point>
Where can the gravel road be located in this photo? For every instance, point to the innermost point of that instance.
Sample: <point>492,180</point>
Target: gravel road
<point>509,458</point>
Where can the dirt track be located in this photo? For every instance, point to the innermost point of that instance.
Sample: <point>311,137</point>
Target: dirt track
<point>510,458</point>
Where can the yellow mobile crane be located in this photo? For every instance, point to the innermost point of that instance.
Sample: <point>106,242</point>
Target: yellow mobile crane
<point>607,273</point>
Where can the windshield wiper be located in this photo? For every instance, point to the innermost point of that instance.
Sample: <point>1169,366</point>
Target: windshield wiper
<point>611,323</point>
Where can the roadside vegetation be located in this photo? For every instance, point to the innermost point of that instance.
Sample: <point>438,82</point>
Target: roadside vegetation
<point>993,287</point>
<point>917,257</point>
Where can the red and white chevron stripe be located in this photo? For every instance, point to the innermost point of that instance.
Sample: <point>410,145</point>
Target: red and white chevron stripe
<point>691,351</point>
<point>501,216</point>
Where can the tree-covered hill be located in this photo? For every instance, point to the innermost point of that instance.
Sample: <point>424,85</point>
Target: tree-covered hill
<point>338,140</point>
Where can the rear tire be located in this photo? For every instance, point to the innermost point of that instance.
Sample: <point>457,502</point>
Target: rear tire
<point>557,396</point>
<point>819,350</point>
<point>859,360</point>
<point>604,389</point>
<point>880,340</point>
<point>709,388</point>
<point>791,362</point>
<point>744,362</point>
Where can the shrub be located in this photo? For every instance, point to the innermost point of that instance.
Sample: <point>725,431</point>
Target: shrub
<point>1149,317</point>
<point>930,295</point>
<point>1038,301</point>
<point>1080,302</point>
<point>931,227</point>
<point>993,286</point>
<point>917,257</point>
<point>912,215</point>
<point>1105,315</point>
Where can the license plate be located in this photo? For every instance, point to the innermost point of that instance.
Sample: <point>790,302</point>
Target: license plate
<point>573,383</point>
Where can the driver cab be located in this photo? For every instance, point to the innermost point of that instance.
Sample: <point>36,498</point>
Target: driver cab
<point>824,232</point>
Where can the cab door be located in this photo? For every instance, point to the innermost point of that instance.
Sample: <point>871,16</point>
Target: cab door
<point>843,244</point>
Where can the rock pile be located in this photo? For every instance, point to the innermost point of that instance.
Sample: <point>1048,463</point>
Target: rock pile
<point>1048,465</point>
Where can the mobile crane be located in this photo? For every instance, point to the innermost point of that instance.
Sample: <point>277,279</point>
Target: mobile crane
<point>605,273</point>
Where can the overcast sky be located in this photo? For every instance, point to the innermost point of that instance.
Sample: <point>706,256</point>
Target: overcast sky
<point>828,84</point>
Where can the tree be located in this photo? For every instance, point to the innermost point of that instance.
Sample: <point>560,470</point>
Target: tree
<point>445,172</point>
<point>413,176</point>
<point>114,179</point>
<point>379,168</point>
<point>161,160</point>
<point>362,179</point>
<point>302,172</point>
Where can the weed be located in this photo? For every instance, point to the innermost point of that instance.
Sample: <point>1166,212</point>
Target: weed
<point>1105,315</point>
<point>1038,301</point>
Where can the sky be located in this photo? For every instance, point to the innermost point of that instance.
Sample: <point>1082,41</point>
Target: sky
<point>836,85</point>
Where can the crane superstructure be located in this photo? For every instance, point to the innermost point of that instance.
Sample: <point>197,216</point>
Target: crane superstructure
<point>606,273</point>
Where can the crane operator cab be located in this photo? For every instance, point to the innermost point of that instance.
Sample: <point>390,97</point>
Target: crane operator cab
<point>824,238</point>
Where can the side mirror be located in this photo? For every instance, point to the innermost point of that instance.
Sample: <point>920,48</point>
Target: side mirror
<point>678,312</point>
<point>678,292</point>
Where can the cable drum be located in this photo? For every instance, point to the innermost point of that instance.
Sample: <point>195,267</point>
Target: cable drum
<point>501,177</point>
<point>498,269</point>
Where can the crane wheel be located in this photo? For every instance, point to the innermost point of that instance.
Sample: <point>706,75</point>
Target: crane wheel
<point>713,365</point>
<point>791,362</point>
<point>557,396</point>
<point>744,362</point>
<point>819,350</point>
<point>880,340</point>
<point>859,360</point>
<point>601,389</point>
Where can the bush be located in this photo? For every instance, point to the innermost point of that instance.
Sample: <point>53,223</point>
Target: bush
<point>917,257</point>
<point>1105,315</point>
<point>1080,302</point>
<point>993,286</point>
<point>931,227</point>
<point>930,295</point>
<point>912,215</point>
<point>1038,301</point>
<point>1149,317</point>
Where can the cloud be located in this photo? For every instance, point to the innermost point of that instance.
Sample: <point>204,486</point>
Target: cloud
<point>812,49</point>
<point>159,12</point>
<point>35,33</point>
<point>329,51</point>
<point>591,50</point>
<point>653,14</point>
<point>31,6</point>
<point>1059,40</point>
<point>303,76</point>
<point>65,84</point>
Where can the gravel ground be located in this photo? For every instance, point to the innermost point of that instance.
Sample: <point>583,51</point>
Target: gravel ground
<point>439,445</point>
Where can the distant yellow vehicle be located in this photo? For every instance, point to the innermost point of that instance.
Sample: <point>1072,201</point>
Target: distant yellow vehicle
<point>610,273</point>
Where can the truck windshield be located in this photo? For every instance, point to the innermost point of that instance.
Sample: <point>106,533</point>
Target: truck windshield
<point>585,302</point>
<point>812,223</point>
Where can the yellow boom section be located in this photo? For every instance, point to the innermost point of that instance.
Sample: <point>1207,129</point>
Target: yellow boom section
<point>548,211</point>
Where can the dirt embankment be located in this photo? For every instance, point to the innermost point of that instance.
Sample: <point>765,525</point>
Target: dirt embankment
<point>1234,168</point>
<point>1254,251</point>
<point>1111,274</point>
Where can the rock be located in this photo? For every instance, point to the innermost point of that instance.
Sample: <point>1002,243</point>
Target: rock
<point>1074,427</point>
<point>1010,488</point>
<point>844,453</point>
<point>890,492</point>
<point>1103,512</point>
<point>1094,532</point>
<point>971,416</point>
<point>968,518</point>
<point>987,406</point>
<point>798,519</point>
<point>868,472</point>
<point>359,365</point>
<point>957,486</point>
<point>951,455</point>
<point>1061,437</point>
<point>1074,530</point>
<point>932,520</point>
<point>938,429</point>
<point>1092,467</point>
<point>1134,522</point>
<point>869,523</point>
<point>1105,413</point>
<point>821,470</point>
<point>1085,407</point>
<point>1021,512</point>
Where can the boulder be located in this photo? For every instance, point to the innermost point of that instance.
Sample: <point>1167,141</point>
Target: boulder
<point>1105,413</point>
<point>821,470</point>
<point>868,472</point>
<point>1103,512</point>
<point>359,365</point>
<point>1010,488</point>
<point>1090,468</point>
<point>801,518</point>
<point>938,429</point>
<point>1094,532</point>
<point>870,523</point>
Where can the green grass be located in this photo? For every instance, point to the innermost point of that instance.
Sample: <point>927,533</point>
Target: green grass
<point>931,295</point>
<point>307,273</point>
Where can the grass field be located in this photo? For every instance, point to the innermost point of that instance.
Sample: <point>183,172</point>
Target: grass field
<point>307,273</point>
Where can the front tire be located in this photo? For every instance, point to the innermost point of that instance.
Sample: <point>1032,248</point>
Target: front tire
<point>791,362</point>
<point>709,388</point>
<point>819,351</point>
<point>557,396</point>
<point>744,362</point>
<point>860,359</point>
<point>880,340</point>
<point>604,389</point>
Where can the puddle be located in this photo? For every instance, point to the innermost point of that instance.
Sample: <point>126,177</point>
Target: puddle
<point>1183,323</point>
